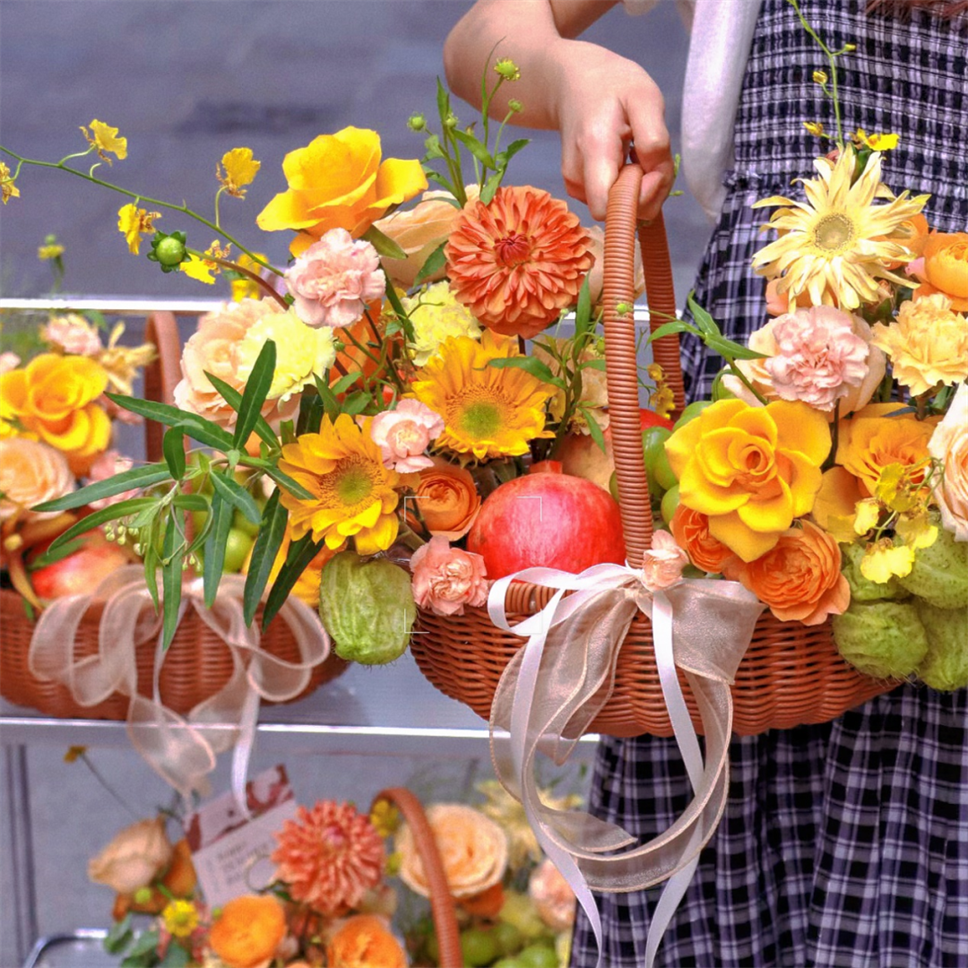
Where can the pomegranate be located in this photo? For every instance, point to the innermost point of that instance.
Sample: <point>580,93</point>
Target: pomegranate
<point>82,571</point>
<point>550,519</point>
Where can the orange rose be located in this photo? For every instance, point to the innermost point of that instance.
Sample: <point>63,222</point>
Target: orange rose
<point>447,500</point>
<point>799,578</point>
<point>946,268</point>
<point>248,931</point>
<point>365,941</point>
<point>691,531</point>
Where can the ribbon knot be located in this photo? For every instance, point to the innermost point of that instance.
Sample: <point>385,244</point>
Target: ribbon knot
<point>558,682</point>
<point>182,749</point>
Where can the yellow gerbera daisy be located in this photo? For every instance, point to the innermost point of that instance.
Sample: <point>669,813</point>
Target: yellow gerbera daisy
<point>834,247</point>
<point>354,494</point>
<point>488,411</point>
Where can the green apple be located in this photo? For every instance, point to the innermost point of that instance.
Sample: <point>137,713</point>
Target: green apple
<point>691,412</point>
<point>237,549</point>
<point>670,501</point>
<point>478,947</point>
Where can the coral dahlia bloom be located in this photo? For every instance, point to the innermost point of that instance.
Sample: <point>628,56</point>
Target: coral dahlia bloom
<point>488,411</point>
<point>519,261</point>
<point>354,494</point>
<point>329,856</point>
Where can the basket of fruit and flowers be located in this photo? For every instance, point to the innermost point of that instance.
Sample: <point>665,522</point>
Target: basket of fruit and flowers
<point>451,884</point>
<point>64,566</point>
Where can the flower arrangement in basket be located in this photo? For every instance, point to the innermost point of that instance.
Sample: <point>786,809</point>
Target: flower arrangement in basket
<point>453,884</point>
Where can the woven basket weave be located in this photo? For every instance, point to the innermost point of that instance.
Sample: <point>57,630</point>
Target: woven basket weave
<point>198,663</point>
<point>791,674</point>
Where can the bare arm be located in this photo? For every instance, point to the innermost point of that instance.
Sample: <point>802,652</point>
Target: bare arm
<point>597,100</point>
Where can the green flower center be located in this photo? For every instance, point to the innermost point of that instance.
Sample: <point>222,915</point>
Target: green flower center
<point>353,485</point>
<point>833,233</point>
<point>481,420</point>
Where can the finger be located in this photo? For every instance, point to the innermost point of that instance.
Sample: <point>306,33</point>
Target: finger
<point>603,159</point>
<point>655,189</point>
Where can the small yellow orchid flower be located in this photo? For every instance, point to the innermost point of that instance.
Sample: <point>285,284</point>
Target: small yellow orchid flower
<point>866,515</point>
<point>132,221</point>
<point>883,561</point>
<point>243,287</point>
<point>7,187</point>
<point>917,530</point>
<point>815,128</point>
<point>876,142</point>
<point>240,170</point>
<point>51,251</point>
<point>104,139</point>
<point>202,269</point>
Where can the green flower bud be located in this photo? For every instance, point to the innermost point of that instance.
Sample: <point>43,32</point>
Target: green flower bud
<point>515,105</point>
<point>507,69</point>
<point>169,251</point>
<point>417,122</point>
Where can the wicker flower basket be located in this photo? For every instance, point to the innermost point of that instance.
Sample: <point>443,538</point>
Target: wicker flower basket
<point>198,663</point>
<point>791,674</point>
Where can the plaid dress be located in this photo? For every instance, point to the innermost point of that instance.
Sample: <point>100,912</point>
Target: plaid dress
<point>844,845</point>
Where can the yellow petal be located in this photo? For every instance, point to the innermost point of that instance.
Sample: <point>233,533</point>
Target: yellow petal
<point>741,539</point>
<point>801,428</point>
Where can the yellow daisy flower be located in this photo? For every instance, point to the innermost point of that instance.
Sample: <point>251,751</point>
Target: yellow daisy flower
<point>180,917</point>
<point>132,221</point>
<point>353,493</point>
<point>103,138</point>
<point>240,170</point>
<point>488,411</point>
<point>834,247</point>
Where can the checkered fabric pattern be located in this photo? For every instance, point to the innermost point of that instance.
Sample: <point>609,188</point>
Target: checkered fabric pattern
<point>844,845</point>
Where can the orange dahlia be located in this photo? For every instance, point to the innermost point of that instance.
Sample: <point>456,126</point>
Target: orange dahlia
<point>517,262</point>
<point>329,856</point>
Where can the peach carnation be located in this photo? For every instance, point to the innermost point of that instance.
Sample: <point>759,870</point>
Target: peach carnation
<point>72,334</point>
<point>334,279</point>
<point>445,579</point>
<point>949,443</point>
<point>662,564</point>
<point>329,856</point>
<point>404,434</point>
<point>519,261</point>
<point>106,466</point>
<point>553,897</point>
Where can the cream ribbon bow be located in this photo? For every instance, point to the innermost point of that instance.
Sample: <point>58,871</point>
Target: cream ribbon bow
<point>182,749</point>
<point>555,685</point>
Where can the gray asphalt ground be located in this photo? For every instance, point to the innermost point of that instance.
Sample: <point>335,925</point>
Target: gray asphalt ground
<point>185,81</point>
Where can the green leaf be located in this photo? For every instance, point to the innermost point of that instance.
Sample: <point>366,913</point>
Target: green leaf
<point>357,402</point>
<point>50,556</point>
<point>730,350</point>
<point>257,388</point>
<point>233,492</point>
<point>111,513</point>
<point>119,936</point>
<point>394,300</point>
<point>310,414</point>
<point>345,382</point>
<point>476,147</point>
<point>301,553</point>
<point>433,149</point>
<point>137,477</point>
<point>173,554</point>
<point>594,365</point>
<point>234,399</point>
<point>530,364</point>
<point>190,502</point>
<point>151,561</point>
<point>272,530</point>
<point>434,263</point>
<point>175,957</point>
<point>667,329</point>
<point>331,406</point>
<point>583,310</point>
<point>594,428</point>
<point>283,480</point>
<point>198,428</point>
<point>703,320</point>
<point>383,244</point>
<point>221,516</point>
<point>503,157</point>
<point>146,943</point>
<point>490,187</point>
<point>443,101</point>
<point>173,449</point>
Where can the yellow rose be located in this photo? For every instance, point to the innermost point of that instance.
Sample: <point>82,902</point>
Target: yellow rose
<point>418,231</point>
<point>473,849</point>
<point>872,439</point>
<point>134,858</point>
<point>339,181</point>
<point>52,398</point>
<point>30,473</point>
<point>751,470</point>
<point>949,443</point>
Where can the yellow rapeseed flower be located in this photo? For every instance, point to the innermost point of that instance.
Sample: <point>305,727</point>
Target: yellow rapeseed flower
<point>180,917</point>
<point>132,222</point>
<point>354,494</point>
<point>240,170</point>
<point>104,139</point>
<point>7,187</point>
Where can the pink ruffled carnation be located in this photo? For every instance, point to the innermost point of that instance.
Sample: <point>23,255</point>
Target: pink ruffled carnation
<point>404,434</point>
<point>662,564</point>
<point>819,357</point>
<point>73,334</point>
<point>107,465</point>
<point>334,279</point>
<point>8,361</point>
<point>329,857</point>
<point>445,579</point>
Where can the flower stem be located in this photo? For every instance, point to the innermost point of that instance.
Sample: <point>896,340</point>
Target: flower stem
<point>249,274</point>
<point>107,786</point>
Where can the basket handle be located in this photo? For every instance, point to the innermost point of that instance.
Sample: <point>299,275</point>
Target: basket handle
<point>441,902</point>
<point>161,374</point>
<point>620,349</point>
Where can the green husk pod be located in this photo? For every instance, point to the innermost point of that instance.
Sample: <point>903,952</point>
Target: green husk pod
<point>945,667</point>
<point>884,639</point>
<point>367,607</point>
<point>940,573</point>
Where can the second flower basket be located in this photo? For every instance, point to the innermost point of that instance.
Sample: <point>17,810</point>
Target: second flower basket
<point>791,674</point>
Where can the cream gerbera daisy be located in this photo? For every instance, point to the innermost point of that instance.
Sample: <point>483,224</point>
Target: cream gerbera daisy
<point>834,247</point>
<point>353,493</point>
<point>488,411</point>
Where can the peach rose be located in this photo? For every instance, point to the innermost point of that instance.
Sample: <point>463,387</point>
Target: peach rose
<point>404,434</point>
<point>552,895</point>
<point>473,849</point>
<point>419,231</point>
<point>365,941</point>
<point>799,578</point>
<point>949,443</point>
<point>248,931</point>
<point>445,579</point>
<point>945,268</point>
<point>662,564</point>
<point>447,500</point>
<point>214,347</point>
<point>134,858</point>
<point>691,531</point>
<point>31,473</point>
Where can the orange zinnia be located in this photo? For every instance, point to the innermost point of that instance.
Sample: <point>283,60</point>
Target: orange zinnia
<point>517,262</point>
